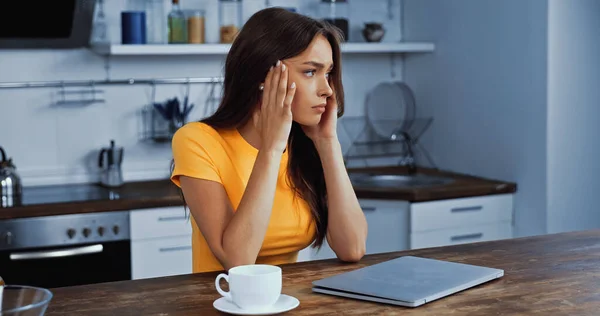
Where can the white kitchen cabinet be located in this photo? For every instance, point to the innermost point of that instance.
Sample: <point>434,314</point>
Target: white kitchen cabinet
<point>460,235</point>
<point>161,242</point>
<point>161,257</point>
<point>396,225</point>
<point>387,223</point>
<point>461,220</point>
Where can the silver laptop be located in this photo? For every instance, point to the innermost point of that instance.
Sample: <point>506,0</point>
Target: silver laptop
<point>406,281</point>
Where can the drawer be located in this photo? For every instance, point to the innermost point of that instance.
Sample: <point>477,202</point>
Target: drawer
<point>388,230</point>
<point>161,257</point>
<point>388,225</point>
<point>462,235</point>
<point>461,212</point>
<point>159,222</point>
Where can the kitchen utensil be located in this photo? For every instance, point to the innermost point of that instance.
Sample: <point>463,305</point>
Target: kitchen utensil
<point>24,300</point>
<point>109,162</point>
<point>171,110</point>
<point>10,183</point>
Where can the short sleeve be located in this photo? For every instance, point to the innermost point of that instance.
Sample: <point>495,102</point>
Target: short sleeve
<point>192,148</point>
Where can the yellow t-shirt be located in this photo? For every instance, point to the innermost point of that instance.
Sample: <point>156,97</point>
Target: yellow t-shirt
<point>225,157</point>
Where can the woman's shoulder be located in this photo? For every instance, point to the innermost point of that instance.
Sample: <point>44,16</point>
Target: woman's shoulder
<point>197,128</point>
<point>197,133</point>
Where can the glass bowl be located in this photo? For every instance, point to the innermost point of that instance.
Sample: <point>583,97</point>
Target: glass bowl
<point>21,300</point>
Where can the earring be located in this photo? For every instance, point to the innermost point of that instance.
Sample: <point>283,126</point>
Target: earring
<point>261,87</point>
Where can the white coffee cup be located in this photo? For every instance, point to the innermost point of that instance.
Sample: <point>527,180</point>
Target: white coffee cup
<point>253,286</point>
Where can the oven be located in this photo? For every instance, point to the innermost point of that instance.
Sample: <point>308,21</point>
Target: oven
<point>66,250</point>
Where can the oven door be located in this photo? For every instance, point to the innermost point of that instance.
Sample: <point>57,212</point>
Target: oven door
<point>71,265</point>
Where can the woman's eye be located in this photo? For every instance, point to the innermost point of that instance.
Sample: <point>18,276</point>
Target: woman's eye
<point>310,73</point>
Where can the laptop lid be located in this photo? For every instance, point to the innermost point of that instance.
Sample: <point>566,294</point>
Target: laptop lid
<point>407,280</point>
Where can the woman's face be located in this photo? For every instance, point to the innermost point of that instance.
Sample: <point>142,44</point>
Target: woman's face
<point>310,71</point>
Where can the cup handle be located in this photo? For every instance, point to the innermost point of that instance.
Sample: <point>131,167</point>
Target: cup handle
<point>218,286</point>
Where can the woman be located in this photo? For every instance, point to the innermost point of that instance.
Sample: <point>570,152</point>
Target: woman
<point>264,175</point>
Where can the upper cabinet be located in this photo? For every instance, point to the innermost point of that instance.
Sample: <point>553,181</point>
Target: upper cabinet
<point>222,49</point>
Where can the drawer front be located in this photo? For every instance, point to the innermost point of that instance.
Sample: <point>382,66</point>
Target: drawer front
<point>387,225</point>
<point>462,235</point>
<point>388,229</point>
<point>462,212</point>
<point>159,222</point>
<point>161,257</point>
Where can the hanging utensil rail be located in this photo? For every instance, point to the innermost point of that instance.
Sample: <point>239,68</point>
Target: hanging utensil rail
<point>87,83</point>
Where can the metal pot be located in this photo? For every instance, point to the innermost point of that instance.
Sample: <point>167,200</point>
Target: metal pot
<point>10,182</point>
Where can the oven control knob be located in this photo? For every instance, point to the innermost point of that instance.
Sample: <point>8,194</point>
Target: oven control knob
<point>116,229</point>
<point>86,232</point>
<point>71,233</point>
<point>101,231</point>
<point>8,238</point>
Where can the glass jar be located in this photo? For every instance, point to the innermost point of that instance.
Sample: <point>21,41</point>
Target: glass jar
<point>196,26</point>
<point>157,26</point>
<point>230,19</point>
<point>336,13</point>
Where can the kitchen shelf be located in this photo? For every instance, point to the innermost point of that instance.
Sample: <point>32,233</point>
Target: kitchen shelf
<point>222,49</point>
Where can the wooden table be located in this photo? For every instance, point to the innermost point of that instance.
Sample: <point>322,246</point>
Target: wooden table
<point>555,274</point>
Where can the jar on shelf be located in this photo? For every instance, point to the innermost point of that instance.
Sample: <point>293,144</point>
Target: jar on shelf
<point>156,30</point>
<point>230,19</point>
<point>336,12</point>
<point>196,26</point>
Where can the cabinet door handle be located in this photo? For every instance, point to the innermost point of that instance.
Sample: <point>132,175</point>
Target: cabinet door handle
<point>368,208</point>
<point>171,218</point>
<point>466,209</point>
<point>168,249</point>
<point>467,236</point>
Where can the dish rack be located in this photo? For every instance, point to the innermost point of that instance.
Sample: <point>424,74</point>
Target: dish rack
<point>160,120</point>
<point>366,142</point>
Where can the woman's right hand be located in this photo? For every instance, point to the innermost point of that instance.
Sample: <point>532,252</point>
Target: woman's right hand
<point>274,118</point>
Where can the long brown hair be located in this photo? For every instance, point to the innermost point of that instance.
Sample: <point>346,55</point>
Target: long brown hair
<point>268,36</point>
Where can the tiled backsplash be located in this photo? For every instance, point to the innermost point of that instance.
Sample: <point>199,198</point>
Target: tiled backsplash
<point>53,144</point>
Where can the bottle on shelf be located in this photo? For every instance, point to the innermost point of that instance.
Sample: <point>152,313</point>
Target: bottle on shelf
<point>336,12</point>
<point>177,24</point>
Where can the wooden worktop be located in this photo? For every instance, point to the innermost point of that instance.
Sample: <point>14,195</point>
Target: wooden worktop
<point>463,186</point>
<point>544,275</point>
<point>88,198</point>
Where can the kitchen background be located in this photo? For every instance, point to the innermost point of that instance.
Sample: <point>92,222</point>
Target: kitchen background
<point>511,86</point>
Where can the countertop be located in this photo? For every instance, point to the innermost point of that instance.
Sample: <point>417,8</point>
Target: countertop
<point>87,198</point>
<point>547,275</point>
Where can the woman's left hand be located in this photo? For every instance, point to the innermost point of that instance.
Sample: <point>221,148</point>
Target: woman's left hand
<point>327,127</point>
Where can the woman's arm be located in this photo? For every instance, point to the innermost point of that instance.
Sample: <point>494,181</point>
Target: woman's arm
<point>235,238</point>
<point>347,225</point>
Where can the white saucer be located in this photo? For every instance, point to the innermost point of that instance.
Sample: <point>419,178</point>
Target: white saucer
<point>284,303</point>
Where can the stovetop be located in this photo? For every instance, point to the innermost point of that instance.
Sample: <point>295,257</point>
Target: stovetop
<point>50,194</point>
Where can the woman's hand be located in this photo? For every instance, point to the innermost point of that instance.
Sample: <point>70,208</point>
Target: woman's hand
<point>326,130</point>
<point>274,118</point>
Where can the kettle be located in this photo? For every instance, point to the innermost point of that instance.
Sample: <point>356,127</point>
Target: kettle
<point>10,182</point>
<point>109,162</point>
